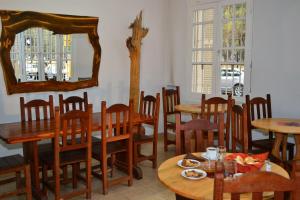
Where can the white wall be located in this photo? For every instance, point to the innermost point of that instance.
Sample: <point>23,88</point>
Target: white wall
<point>115,16</point>
<point>275,53</point>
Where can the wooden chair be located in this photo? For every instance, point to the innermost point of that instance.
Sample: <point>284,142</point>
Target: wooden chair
<point>73,103</point>
<point>171,98</point>
<point>256,183</point>
<point>184,132</point>
<point>15,164</point>
<point>258,108</point>
<point>72,146</point>
<point>116,137</point>
<point>149,105</point>
<point>239,129</point>
<point>212,109</point>
<point>41,111</point>
<point>37,105</point>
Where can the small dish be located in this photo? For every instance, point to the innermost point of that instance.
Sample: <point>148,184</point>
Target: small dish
<point>204,155</point>
<point>193,174</point>
<point>193,163</point>
<point>237,175</point>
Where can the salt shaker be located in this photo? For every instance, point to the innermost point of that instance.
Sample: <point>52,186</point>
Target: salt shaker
<point>268,165</point>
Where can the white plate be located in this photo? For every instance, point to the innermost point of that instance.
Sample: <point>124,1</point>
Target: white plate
<point>194,178</point>
<point>179,163</point>
<point>203,155</point>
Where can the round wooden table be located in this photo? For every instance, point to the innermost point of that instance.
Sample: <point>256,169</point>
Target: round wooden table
<point>169,175</point>
<point>195,109</point>
<point>281,127</point>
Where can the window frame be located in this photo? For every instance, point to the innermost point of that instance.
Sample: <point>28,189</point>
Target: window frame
<point>216,84</point>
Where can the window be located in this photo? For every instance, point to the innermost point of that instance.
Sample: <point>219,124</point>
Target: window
<point>202,60</point>
<point>219,48</point>
<point>39,55</point>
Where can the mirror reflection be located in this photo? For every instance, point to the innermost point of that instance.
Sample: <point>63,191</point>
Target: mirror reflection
<point>48,52</point>
<point>40,55</point>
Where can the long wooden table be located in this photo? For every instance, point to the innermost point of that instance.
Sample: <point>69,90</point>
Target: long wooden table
<point>282,127</point>
<point>29,133</point>
<point>185,189</point>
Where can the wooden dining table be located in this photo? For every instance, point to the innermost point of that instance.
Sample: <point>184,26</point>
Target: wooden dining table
<point>282,127</point>
<point>169,174</point>
<point>29,133</point>
<point>195,109</point>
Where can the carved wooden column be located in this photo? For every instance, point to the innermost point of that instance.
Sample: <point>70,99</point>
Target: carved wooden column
<point>133,44</point>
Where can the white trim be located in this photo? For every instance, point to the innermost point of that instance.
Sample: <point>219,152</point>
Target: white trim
<point>217,5</point>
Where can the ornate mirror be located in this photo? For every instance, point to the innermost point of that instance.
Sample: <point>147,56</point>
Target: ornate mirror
<point>49,52</point>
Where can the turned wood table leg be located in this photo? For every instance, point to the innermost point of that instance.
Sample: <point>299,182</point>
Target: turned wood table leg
<point>297,143</point>
<point>284,145</point>
<point>276,148</point>
<point>30,151</point>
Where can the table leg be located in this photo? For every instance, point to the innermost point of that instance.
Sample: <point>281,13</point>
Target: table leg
<point>276,148</point>
<point>178,142</point>
<point>284,144</point>
<point>30,152</point>
<point>121,164</point>
<point>297,143</point>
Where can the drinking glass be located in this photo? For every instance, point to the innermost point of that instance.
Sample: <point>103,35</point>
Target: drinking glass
<point>222,151</point>
<point>230,168</point>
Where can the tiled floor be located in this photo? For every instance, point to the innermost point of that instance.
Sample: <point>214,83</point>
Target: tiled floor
<point>148,188</point>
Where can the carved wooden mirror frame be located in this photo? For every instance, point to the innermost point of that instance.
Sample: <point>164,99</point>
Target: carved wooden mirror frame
<point>14,22</point>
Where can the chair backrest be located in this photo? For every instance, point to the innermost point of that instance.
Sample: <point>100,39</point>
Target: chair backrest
<point>189,128</point>
<point>42,109</point>
<point>149,105</point>
<point>171,98</point>
<point>211,109</point>
<point>256,183</point>
<point>258,108</point>
<point>116,123</point>
<point>73,130</point>
<point>239,129</point>
<point>73,103</point>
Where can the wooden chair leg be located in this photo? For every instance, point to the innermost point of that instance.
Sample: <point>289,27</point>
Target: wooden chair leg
<point>130,162</point>
<point>112,161</point>
<point>165,139</point>
<point>57,182</point>
<point>27,182</point>
<point>88,179</point>
<point>74,175</point>
<point>154,161</point>
<point>135,154</point>
<point>65,174</point>
<point>45,178</point>
<point>18,180</point>
<point>104,175</point>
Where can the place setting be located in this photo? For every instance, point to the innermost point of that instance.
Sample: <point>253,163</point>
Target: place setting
<point>200,165</point>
